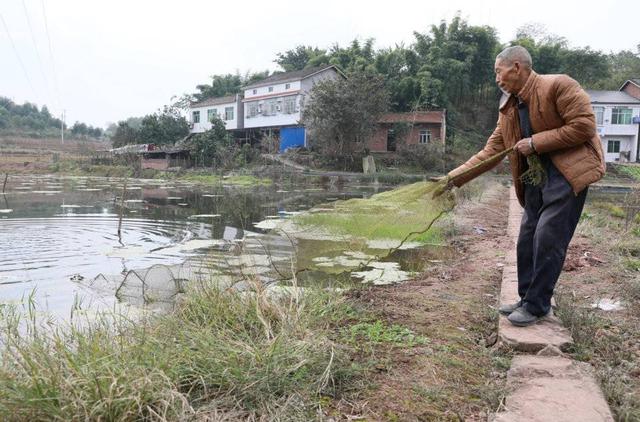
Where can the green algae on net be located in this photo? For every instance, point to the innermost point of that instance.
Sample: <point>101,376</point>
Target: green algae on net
<point>404,214</point>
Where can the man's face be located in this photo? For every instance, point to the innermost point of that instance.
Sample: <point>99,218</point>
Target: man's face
<point>508,76</point>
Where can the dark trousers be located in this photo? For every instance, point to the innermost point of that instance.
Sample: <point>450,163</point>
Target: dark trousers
<point>551,214</point>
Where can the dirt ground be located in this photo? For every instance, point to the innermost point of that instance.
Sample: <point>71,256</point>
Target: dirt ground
<point>455,375</point>
<point>33,156</point>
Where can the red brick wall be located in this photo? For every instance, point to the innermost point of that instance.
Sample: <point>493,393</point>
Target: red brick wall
<point>155,163</point>
<point>378,142</point>
<point>413,137</point>
<point>632,90</point>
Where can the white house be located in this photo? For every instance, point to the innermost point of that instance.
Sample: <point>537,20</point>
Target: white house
<point>278,100</point>
<point>617,118</point>
<point>229,109</point>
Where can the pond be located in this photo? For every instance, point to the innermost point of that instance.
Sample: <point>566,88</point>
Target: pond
<point>60,243</point>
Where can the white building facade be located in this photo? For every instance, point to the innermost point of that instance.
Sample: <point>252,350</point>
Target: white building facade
<point>229,109</point>
<point>278,101</point>
<point>617,120</point>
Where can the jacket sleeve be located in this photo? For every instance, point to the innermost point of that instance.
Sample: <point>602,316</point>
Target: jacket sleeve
<point>494,145</point>
<point>574,106</point>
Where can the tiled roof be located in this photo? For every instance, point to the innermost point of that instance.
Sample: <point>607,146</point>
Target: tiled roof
<point>434,116</point>
<point>615,97</point>
<point>290,76</point>
<point>214,101</point>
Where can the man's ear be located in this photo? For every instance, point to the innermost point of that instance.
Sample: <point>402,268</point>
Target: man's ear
<point>517,67</point>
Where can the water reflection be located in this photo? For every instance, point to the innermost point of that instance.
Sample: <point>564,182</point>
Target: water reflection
<point>59,234</point>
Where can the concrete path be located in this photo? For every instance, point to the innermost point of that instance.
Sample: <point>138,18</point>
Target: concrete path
<point>547,386</point>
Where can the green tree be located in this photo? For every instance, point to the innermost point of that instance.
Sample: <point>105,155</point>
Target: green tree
<point>342,115</point>
<point>205,145</point>
<point>163,128</point>
<point>300,57</point>
<point>124,135</point>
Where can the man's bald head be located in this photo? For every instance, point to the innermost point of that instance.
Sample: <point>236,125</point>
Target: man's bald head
<point>517,53</point>
<point>513,67</point>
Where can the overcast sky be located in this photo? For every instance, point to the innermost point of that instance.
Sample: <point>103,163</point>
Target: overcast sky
<point>115,59</point>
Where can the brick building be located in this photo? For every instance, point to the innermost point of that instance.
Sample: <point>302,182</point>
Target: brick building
<point>396,130</point>
<point>632,87</point>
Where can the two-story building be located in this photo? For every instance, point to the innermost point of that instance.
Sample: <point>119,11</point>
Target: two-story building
<point>274,105</point>
<point>230,109</point>
<point>617,118</point>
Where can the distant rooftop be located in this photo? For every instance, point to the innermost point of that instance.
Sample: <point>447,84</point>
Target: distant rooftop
<point>291,76</point>
<point>606,97</point>
<point>214,101</point>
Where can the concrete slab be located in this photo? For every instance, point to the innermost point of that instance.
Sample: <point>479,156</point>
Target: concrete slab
<point>552,389</point>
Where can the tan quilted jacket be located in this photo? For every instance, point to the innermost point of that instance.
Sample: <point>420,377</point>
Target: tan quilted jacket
<point>565,129</point>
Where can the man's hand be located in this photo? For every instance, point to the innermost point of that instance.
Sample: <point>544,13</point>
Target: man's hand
<point>524,147</point>
<point>445,184</point>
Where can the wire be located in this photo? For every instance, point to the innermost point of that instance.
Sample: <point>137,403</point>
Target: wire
<point>53,63</point>
<point>35,46</point>
<point>15,50</point>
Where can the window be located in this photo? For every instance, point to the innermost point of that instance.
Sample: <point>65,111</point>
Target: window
<point>270,89</point>
<point>228,113</point>
<point>287,86</point>
<point>425,136</point>
<point>252,109</point>
<point>195,117</point>
<point>211,113</point>
<point>621,116</point>
<point>289,105</point>
<point>255,91</point>
<point>599,115</point>
<point>613,147</point>
<point>270,107</point>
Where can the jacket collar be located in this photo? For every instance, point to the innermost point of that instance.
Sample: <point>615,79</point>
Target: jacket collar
<point>525,93</point>
<point>527,90</point>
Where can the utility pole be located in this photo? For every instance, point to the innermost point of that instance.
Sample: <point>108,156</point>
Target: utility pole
<point>62,128</point>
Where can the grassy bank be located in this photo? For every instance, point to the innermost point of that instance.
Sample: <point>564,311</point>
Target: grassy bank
<point>219,354</point>
<point>609,340</point>
<point>76,168</point>
<point>392,215</point>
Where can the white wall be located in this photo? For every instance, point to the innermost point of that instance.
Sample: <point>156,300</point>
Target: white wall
<point>627,143</point>
<point>277,88</point>
<point>626,134</point>
<point>279,91</point>
<point>205,125</point>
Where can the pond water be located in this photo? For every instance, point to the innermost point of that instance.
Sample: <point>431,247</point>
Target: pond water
<point>60,244</point>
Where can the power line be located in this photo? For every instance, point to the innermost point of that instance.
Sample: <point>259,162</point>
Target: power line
<point>35,46</point>
<point>15,50</point>
<point>53,63</point>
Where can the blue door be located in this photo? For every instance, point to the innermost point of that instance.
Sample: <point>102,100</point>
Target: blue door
<point>291,137</point>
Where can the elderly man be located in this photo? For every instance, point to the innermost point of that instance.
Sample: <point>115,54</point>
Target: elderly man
<point>551,116</point>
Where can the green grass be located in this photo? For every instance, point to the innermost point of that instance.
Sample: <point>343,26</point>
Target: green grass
<point>388,215</point>
<point>378,332</point>
<point>233,355</point>
<point>213,179</point>
<point>632,171</point>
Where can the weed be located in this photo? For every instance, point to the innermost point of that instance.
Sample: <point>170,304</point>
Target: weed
<point>378,332</point>
<point>242,354</point>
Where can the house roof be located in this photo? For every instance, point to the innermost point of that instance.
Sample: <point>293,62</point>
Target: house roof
<point>635,81</point>
<point>607,97</point>
<point>434,116</point>
<point>292,76</point>
<point>214,101</point>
